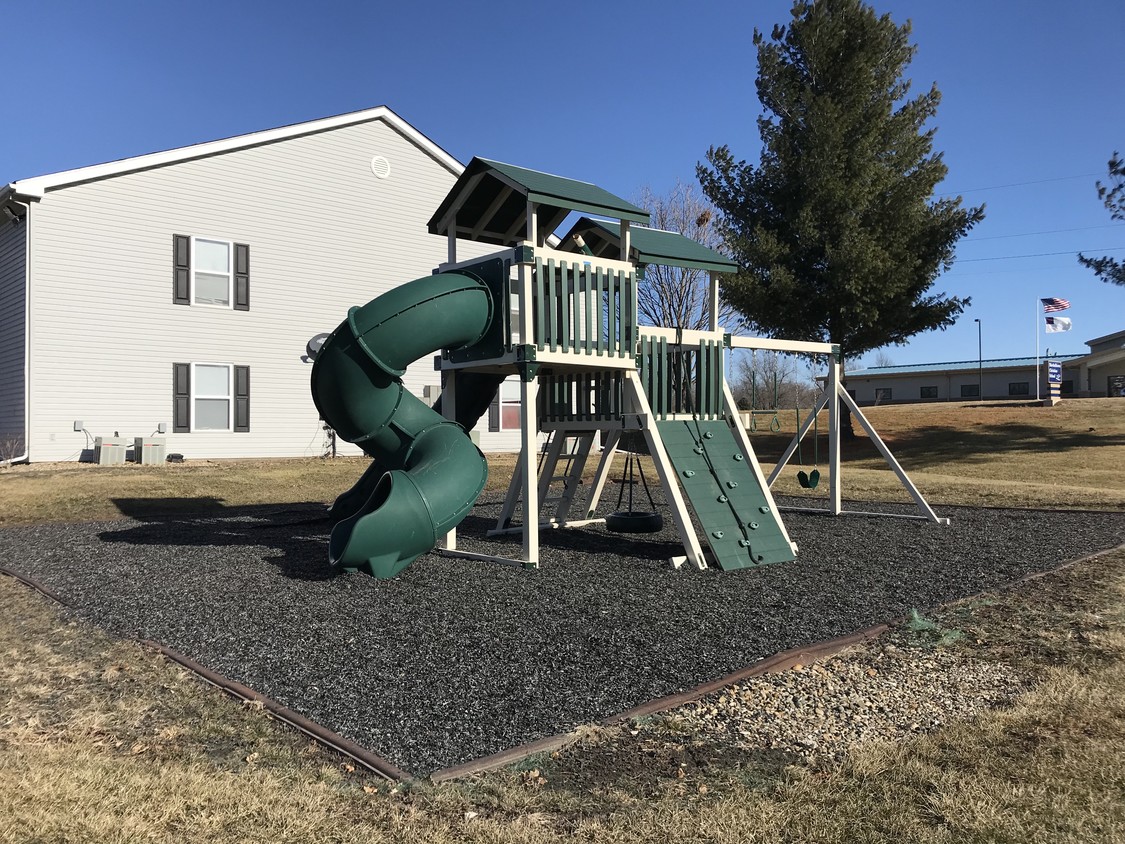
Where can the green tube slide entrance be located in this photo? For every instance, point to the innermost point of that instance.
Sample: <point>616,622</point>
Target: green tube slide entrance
<point>434,472</point>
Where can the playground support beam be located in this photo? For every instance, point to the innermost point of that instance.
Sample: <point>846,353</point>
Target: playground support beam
<point>667,474</point>
<point>449,411</point>
<point>791,346</point>
<point>835,394</point>
<point>747,448</point>
<point>835,388</point>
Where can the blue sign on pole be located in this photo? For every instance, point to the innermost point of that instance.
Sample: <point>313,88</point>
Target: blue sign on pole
<point>1054,372</point>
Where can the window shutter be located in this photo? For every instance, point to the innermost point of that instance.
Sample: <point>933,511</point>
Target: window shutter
<point>241,277</point>
<point>494,413</point>
<point>241,399</point>
<point>181,269</point>
<point>181,398</point>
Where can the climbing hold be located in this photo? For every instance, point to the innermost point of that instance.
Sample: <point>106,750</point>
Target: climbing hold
<point>688,473</point>
<point>744,543</point>
<point>708,434</point>
<point>753,526</point>
<point>738,457</point>
<point>718,534</point>
<point>732,484</point>
<point>763,509</point>
<point>722,499</point>
<point>698,449</point>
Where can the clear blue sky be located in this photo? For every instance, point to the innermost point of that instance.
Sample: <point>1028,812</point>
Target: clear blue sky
<point>617,92</point>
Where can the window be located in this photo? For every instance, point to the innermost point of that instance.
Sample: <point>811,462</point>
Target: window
<point>970,391</point>
<point>1019,388</point>
<point>882,394</point>
<point>211,272</point>
<point>210,397</point>
<point>929,393</point>
<point>505,413</point>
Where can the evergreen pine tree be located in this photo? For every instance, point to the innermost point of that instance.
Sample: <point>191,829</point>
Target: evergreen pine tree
<point>837,231</point>
<point>1110,270</point>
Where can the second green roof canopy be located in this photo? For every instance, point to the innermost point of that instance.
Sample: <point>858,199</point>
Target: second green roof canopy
<point>647,246</point>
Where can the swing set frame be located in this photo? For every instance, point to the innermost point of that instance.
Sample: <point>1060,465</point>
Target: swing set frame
<point>834,387</point>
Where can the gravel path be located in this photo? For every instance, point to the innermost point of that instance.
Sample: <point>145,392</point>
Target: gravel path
<point>457,659</point>
<point>880,691</point>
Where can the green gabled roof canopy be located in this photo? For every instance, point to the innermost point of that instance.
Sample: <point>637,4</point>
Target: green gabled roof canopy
<point>647,246</point>
<point>488,203</point>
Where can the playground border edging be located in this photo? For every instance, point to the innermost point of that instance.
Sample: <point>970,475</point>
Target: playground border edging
<point>776,663</point>
<point>322,735</point>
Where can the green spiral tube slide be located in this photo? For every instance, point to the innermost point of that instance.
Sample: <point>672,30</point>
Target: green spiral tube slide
<point>434,471</point>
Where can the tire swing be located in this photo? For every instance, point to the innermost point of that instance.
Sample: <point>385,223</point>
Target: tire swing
<point>630,520</point>
<point>809,480</point>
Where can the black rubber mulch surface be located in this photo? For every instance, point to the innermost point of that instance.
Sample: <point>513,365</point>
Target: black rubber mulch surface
<point>455,659</point>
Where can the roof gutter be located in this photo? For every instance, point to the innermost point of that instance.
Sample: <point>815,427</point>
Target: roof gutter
<point>14,212</point>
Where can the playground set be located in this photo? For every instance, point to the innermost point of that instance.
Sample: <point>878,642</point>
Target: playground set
<point>561,313</point>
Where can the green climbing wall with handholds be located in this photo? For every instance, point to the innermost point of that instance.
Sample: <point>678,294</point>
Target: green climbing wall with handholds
<point>738,522</point>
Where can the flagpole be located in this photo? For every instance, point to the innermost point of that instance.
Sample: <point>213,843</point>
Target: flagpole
<point>1037,301</point>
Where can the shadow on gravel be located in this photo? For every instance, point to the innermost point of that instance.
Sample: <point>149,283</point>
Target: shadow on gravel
<point>297,532</point>
<point>587,540</point>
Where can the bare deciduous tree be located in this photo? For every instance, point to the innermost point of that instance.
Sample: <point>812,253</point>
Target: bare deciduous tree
<point>676,297</point>
<point>883,358</point>
<point>755,388</point>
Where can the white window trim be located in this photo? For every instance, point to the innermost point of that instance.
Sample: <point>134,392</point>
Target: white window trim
<point>194,395</point>
<point>230,272</point>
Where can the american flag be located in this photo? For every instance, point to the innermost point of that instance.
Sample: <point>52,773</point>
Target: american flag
<point>1051,305</point>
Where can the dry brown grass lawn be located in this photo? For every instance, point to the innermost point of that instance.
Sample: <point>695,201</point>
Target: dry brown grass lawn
<point>1003,454</point>
<point>102,741</point>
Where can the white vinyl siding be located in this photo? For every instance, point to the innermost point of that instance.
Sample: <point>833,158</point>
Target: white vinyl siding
<point>105,329</point>
<point>13,291</point>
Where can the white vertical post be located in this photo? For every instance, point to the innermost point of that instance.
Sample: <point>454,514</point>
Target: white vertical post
<point>449,411</point>
<point>834,387</point>
<point>526,309</point>
<point>529,428</point>
<point>713,301</point>
<point>1037,350</point>
<point>625,240</point>
<point>532,225</point>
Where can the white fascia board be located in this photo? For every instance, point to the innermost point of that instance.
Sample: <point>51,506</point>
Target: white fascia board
<point>36,187</point>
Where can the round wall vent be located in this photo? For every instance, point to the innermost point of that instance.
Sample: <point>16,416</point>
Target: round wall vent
<point>380,167</point>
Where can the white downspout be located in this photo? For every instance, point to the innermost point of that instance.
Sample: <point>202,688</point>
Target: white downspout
<point>23,458</point>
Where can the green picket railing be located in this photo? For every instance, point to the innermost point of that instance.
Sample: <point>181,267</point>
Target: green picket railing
<point>681,379</point>
<point>581,307</point>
